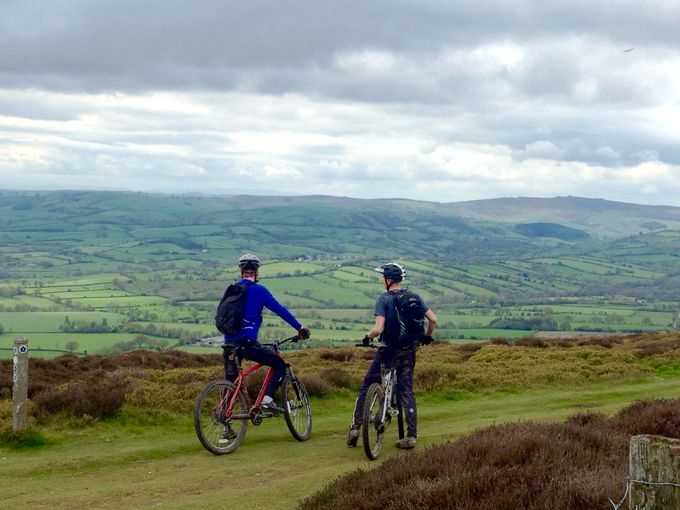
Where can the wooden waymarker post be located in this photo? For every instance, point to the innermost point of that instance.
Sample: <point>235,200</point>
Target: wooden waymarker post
<point>20,383</point>
<point>654,473</point>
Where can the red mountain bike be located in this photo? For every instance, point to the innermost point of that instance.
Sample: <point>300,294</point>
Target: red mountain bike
<point>223,408</point>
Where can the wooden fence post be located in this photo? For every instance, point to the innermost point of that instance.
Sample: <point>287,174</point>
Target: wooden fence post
<point>654,473</point>
<point>20,383</point>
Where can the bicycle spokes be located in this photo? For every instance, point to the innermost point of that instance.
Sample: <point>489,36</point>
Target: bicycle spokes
<point>297,409</point>
<point>374,424</point>
<point>219,428</point>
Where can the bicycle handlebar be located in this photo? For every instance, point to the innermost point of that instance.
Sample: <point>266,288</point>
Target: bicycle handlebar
<point>276,344</point>
<point>381,345</point>
<point>378,345</point>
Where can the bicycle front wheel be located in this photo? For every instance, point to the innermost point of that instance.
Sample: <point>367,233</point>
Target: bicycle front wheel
<point>372,426</point>
<point>296,408</point>
<point>218,431</point>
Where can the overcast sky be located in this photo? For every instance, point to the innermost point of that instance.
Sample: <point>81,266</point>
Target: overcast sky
<point>430,100</point>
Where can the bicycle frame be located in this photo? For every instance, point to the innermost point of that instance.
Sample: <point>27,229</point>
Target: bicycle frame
<point>388,382</point>
<point>240,382</point>
<point>391,399</point>
<point>223,403</point>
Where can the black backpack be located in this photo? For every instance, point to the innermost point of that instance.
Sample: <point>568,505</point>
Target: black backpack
<point>229,317</point>
<point>410,317</point>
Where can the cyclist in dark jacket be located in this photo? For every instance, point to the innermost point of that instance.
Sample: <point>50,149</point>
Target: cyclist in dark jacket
<point>245,342</point>
<point>403,357</point>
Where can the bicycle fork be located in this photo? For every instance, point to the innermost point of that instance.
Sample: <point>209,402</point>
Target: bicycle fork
<point>388,383</point>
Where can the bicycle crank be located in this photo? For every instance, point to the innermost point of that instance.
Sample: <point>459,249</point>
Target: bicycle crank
<point>256,416</point>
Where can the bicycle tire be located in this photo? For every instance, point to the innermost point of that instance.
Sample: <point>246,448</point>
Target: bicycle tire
<point>296,407</point>
<point>372,432</point>
<point>217,433</point>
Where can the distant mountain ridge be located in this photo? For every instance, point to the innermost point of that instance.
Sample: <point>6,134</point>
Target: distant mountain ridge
<point>599,217</point>
<point>488,249</point>
<point>512,220</point>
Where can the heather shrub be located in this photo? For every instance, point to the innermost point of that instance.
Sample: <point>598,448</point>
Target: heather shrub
<point>254,382</point>
<point>5,411</point>
<point>45,374</point>
<point>315,385</point>
<point>604,341</point>
<point>658,417</point>
<point>430,378</point>
<point>576,465</point>
<point>367,354</point>
<point>656,347</point>
<point>469,347</point>
<point>160,391</point>
<point>337,355</point>
<point>529,341</point>
<point>500,341</point>
<point>337,377</point>
<point>100,395</point>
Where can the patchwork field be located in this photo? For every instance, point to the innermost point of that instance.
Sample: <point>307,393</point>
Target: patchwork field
<point>120,264</point>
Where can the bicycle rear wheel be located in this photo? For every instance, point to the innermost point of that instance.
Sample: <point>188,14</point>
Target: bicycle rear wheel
<point>296,408</point>
<point>372,426</point>
<point>217,432</point>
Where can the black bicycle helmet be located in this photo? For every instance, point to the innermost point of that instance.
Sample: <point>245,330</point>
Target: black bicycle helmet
<point>249,261</point>
<point>393,271</point>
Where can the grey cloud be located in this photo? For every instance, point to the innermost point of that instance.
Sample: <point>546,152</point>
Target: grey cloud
<point>128,44</point>
<point>542,80</point>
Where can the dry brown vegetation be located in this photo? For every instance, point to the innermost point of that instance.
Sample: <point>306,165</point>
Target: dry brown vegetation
<point>575,465</point>
<point>170,380</point>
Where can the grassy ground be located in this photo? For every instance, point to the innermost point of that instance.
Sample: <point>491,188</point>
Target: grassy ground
<point>139,461</point>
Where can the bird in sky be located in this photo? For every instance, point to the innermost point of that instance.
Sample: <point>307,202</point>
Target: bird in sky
<point>626,51</point>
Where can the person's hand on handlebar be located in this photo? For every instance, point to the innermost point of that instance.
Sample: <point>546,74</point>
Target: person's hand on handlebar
<point>366,341</point>
<point>303,334</point>
<point>427,340</point>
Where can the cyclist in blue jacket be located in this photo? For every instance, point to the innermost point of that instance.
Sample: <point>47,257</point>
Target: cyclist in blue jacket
<point>257,298</point>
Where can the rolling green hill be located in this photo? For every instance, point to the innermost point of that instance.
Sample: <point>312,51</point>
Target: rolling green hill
<point>598,217</point>
<point>158,263</point>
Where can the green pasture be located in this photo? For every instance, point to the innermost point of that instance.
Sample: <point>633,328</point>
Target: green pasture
<point>92,343</point>
<point>33,322</point>
<point>322,288</point>
<point>88,293</point>
<point>118,302</point>
<point>339,314</point>
<point>294,302</point>
<point>178,232</point>
<point>467,288</point>
<point>75,262</point>
<point>93,279</point>
<point>484,333</point>
<point>37,301</point>
<point>288,268</point>
<point>56,289</point>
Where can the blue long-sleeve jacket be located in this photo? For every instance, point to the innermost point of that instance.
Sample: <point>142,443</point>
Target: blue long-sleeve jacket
<point>257,298</point>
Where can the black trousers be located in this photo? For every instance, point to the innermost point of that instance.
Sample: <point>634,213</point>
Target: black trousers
<point>254,351</point>
<point>404,361</point>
